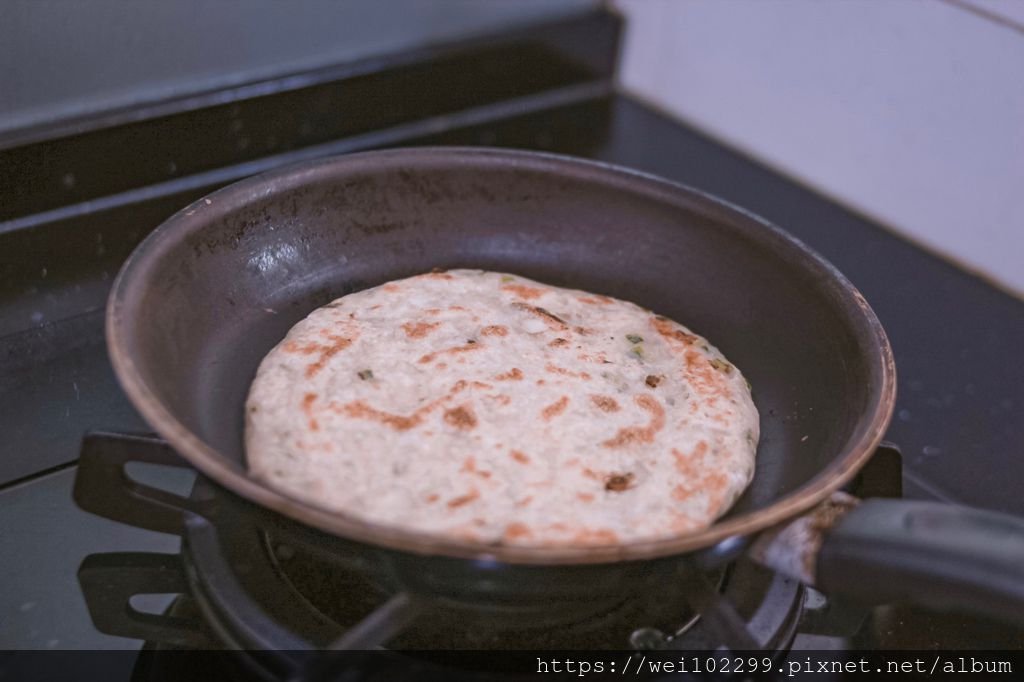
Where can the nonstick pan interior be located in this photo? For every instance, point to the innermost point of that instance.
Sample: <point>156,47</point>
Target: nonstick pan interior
<point>207,296</point>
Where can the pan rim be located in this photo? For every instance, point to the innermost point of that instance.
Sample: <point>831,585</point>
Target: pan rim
<point>867,435</point>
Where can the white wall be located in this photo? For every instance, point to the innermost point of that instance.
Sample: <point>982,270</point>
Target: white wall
<point>911,111</point>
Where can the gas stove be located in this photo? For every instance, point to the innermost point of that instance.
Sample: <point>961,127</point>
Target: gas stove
<point>253,580</point>
<point>69,574</point>
<point>288,600</point>
<point>248,580</point>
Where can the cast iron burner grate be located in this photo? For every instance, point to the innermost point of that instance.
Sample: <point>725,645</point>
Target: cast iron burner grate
<point>249,579</point>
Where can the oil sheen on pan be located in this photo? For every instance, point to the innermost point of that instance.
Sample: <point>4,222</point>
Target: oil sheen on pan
<point>488,407</point>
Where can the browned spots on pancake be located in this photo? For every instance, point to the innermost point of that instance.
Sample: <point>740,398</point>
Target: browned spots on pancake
<point>460,417</point>
<point>469,467</point>
<point>686,464</point>
<point>585,497</point>
<point>572,462</point>
<point>587,357</point>
<point>540,382</point>
<point>430,311</point>
<point>653,380</point>
<point>465,348</point>
<point>696,478</point>
<point>514,374</point>
<point>556,408</point>
<point>360,410</point>
<point>455,307</point>
<point>307,407</point>
<point>616,483</point>
<point>712,484</point>
<point>480,384</point>
<point>550,319</point>
<point>391,287</point>
<point>525,501</point>
<point>376,307</point>
<point>520,457</point>
<point>441,365</point>
<point>523,291</point>
<point>437,274</point>
<point>433,497</point>
<point>517,530</point>
<point>596,299</point>
<point>559,343</point>
<point>462,500</point>
<point>605,403</point>
<point>704,377</point>
<point>500,398</point>
<point>582,331</point>
<point>417,330</point>
<point>555,369</point>
<point>715,485</point>
<point>494,330</point>
<point>664,326</point>
<point>337,343</point>
<point>597,536</point>
<point>590,473</point>
<point>640,434</point>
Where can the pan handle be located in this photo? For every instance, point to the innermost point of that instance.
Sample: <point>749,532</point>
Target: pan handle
<point>939,555</point>
<point>877,551</point>
<point>104,488</point>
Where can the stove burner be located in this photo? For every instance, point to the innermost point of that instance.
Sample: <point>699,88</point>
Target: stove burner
<point>252,580</point>
<point>348,597</point>
<point>331,601</point>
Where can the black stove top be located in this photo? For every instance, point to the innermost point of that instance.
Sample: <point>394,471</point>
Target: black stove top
<point>253,580</point>
<point>956,338</point>
<point>284,598</point>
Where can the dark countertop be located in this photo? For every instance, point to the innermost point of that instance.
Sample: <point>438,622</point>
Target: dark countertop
<point>956,338</point>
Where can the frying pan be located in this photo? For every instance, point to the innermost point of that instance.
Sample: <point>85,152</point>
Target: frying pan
<point>210,291</point>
